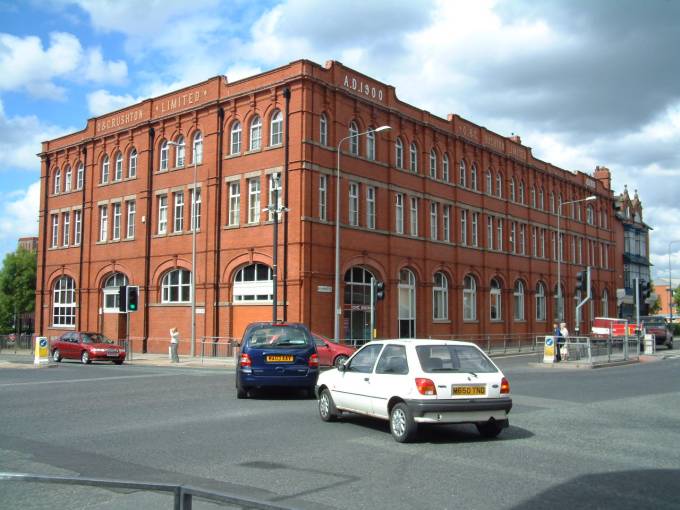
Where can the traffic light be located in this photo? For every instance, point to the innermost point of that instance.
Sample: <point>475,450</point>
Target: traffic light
<point>582,281</point>
<point>122,298</point>
<point>132,298</point>
<point>379,290</point>
<point>644,289</point>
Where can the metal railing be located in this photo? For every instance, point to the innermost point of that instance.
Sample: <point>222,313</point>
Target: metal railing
<point>15,343</point>
<point>593,350</point>
<point>183,495</point>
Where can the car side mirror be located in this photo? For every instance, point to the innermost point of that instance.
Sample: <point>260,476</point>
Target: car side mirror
<point>341,367</point>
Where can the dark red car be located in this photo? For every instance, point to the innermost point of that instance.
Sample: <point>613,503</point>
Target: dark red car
<point>86,347</point>
<point>331,353</point>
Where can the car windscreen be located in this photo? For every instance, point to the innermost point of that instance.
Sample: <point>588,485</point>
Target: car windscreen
<point>656,323</point>
<point>278,337</point>
<point>94,338</point>
<point>453,358</point>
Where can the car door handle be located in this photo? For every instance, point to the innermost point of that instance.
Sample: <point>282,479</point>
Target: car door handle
<point>367,379</point>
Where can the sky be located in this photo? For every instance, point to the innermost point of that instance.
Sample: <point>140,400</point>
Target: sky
<point>583,82</point>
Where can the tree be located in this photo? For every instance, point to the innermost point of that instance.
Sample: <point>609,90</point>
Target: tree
<point>656,307</point>
<point>17,286</point>
<point>676,299</point>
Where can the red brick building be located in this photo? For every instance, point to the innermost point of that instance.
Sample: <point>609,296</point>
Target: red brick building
<point>459,222</point>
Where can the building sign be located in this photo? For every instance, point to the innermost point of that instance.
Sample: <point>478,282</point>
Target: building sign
<point>362,87</point>
<point>179,101</point>
<point>517,151</point>
<point>466,130</point>
<point>591,183</point>
<point>494,142</point>
<point>324,289</point>
<point>120,120</point>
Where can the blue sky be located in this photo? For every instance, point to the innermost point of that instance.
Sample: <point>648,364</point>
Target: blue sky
<point>583,83</point>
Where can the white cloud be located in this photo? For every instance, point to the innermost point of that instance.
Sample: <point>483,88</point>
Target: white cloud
<point>20,213</point>
<point>101,101</point>
<point>99,70</point>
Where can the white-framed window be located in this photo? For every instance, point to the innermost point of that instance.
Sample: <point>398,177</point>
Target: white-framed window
<point>353,139</point>
<point>178,212</point>
<point>462,174</point>
<point>80,176</point>
<point>518,299</point>
<point>118,170</point>
<point>523,239</point>
<point>370,144</point>
<point>370,207</point>
<point>57,182</point>
<point>323,197</point>
<point>399,153</point>
<point>541,203</point>
<point>323,129</point>
<point>413,217</point>
<point>64,302</point>
<point>103,223</point>
<point>353,212</point>
<point>542,243</point>
<point>489,232</point>
<point>590,216</point>
<point>463,227</point>
<point>513,196</point>
<point>105,169</point>
<point>66,228</point>
<point>131,206</point>
<point>234,203</point>
<point>440,297</point>
<point>176,286</point>
<point>446,223</point>
<point>533,196</point>
<point>254,284</point>
<point>551,200</point>
<point>162,214</point>
<point>132,164</point>
<point>195,194</point>
<point>561,248</point>
<point>163,156</point>
<point>67,178</point>
<point>254,200</point>
<point>433,164</point>
<point>541,313</point>
<point>499,185</point>
<point>489,183</point>
<point>475,227</point>
<point>469,298</point>
<point>111,292</point>
<point>534,241</point>
<point>413,158</point>
<point>255,133</point>
<point>235,137</point>
<point>115,233</point>
<point>407,304</point>
<point>473,177</point>
<point>77,227</point>
<point>180,152</point>
<point>495,301</point>
<point>399,213</point>
<point>605,303</point>
<point>521,192</point>
<point>276,129</point>
<point>434,216</point>
<point>197,149</point>
<point>499,231</point>
<point>573,249</point>
<point>274,189</point>
<point>446,176</point>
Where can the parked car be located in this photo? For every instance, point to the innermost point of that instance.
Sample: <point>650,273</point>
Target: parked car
<point>658,327</point>
<point>276,355</point>
<point>331,352</point>
<point>86,347</point>
<point>412,382</point>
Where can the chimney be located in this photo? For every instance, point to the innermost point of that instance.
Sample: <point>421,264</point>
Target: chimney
<point>515,138</point>
<point>603,175</point>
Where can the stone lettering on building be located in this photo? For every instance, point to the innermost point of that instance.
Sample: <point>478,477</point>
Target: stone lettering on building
<point>362,87</point>
<point>517,151</point>
<point>467,131</point>
<point>120,120</point>
<point>494,142</point>
<point>179,101</point>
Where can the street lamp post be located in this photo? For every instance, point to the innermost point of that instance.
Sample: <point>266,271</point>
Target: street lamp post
<point>558,244</point>
<point>670,282</point>
<point>337,311</point>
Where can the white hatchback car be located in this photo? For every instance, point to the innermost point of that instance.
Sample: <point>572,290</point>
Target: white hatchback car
<point>418,381</point>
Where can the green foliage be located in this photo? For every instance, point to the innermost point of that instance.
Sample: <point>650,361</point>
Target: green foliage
<point>656,307</point>
<point>17,286</point>
<point>676,298</point>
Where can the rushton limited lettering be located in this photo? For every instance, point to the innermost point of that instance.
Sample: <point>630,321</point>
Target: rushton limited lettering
<point>120,120</point>
<point>180,101</point>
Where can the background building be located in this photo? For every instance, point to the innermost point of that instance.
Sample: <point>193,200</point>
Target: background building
<point>459,222</point>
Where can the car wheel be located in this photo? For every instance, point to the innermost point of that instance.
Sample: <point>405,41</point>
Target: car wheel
<point>85,358</point>
<point>327,409</point>
<point>402,425</point>
<point>118,362</point>
<point>490,429</point>
<point>56,355</point>
<point>340,360</point>
<point>241,392</point>
<point>670,344</point>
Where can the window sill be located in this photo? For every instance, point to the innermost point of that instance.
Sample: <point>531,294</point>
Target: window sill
<point>63,327</point>
<point>441,321</point>
<point>231,227</point>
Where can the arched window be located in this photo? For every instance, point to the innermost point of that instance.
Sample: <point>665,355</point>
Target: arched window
<point>64,302</point>
<point>197,149</point>
<point>413,152</point>
<point>80,176</point>
<point>180,152</point>
<point>445,168</point>
<point>552,202</point>
<point>499,185</point>
<point>370,144</point>
<point>496,306</point>
<point>57,182</point>
<point>176,286</point>
<point>533,196</point>
<point>399,153</point>
<point>118,170</point>
<point>356,303</point>
<point>132,164</point>
<point>67,178</point>
<point>605,303</point>
<point>513,196</point>
<point>469,298</point>
<point>440,297</point>
<point>111,292</point>
<point>559,302</point>
<point>235,137</point>
<point>473,177</point>
<point>254,283</point>
<point>255,133</point>
<point>462,174</point>
<point>518,300</point>
<point>276,129</point>
<point>407,304</point>
<point>489,183</point>
<point>323,129</point>
<point>163,156</point>
<point>590,215</point>
<point>540,302</point>
<point>105,169</point>
<point>353,138</point>
<point>521,192</point>
<point>541,203</point>
<point>433,164</point>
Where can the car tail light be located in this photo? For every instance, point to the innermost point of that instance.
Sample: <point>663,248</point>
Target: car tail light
<point>245,360</point>
<point>425,386</point>
<point>314,360</point>
<point>505,386</point>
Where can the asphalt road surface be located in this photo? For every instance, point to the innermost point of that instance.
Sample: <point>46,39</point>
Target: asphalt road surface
<point>605,438</point>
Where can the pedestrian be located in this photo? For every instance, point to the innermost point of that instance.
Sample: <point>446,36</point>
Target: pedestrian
<point>174,344</point>
<point>564,333</point>
<point>557,334</point>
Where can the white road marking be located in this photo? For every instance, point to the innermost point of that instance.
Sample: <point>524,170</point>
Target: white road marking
<point>63,381</point>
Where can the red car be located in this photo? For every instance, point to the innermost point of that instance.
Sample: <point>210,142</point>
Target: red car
<point>86,347</point>
<point>331,353</point>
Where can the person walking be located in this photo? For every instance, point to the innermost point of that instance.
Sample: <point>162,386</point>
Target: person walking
<point>557,334</point>
<point>564,333</point>
<point>174,344</point>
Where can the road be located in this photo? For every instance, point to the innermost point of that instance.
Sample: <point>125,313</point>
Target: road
<point>578,439</point>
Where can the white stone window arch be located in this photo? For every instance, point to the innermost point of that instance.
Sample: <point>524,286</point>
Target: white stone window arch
<point>254,283</point>
<point>440,297</point>
<point>176,286</point>
<point>110,292</point>
<point>495,300</point>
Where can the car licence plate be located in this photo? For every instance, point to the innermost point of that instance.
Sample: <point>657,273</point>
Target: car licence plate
<point>468,390</point>
<point>280,358</point>
<point>112,353</point>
